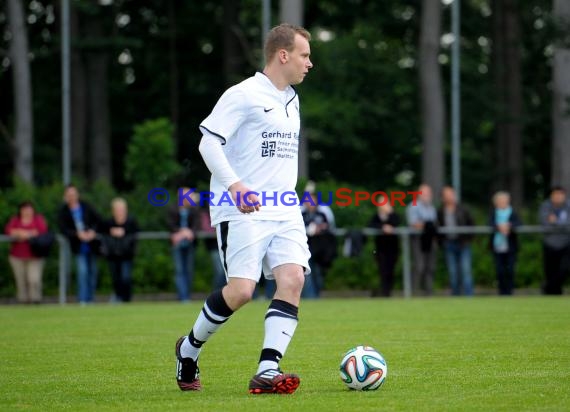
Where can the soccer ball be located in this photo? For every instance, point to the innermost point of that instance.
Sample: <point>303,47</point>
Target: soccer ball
<point>363,368</point>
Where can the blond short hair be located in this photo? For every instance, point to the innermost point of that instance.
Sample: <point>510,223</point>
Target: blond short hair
<point>501,193</point>
<point>283,37</point>
<point>118,201</point>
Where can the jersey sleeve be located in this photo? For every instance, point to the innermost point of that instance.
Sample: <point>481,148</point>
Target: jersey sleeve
<point>227,116</point>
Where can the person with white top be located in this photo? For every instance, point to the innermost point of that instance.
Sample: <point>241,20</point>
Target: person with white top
<point>250,144</point>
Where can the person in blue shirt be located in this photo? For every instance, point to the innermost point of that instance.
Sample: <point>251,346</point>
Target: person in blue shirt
<point>504,221</point>
<point>78,221</point>
<point>423,216</point>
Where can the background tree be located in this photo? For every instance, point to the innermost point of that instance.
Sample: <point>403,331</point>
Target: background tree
<point>561,96</point>
<point>360,105</point>
<point>509,99</point>
<point>431,95</point>
<point>22,142</point>
<point>291,11</point>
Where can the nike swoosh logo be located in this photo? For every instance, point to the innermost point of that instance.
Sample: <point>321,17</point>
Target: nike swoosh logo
<point>268,110</point>
<point>285,333</point>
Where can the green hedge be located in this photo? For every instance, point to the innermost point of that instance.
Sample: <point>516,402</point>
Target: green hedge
<point>153,271</point>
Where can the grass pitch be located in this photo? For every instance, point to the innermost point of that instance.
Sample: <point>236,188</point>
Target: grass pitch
<point>443,354</point>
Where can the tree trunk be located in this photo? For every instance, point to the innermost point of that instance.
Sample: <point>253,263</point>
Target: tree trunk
<point>561,99</point>
<point>78,103</point>
<point>174,73</point>
<point>100,150</point>
<point>431,98</point>
<point>24,124</point>
<point>291,11</point>
<point>507,66</point>
<point>514,102</point>
<point>233,54</point>
<point>97,62</point>
<point>499,68</point>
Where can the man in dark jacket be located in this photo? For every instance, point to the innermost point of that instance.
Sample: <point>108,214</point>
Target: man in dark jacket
<point>184,223</point>
<point>78,221</point>
<point>555,211</point>
<point>457,247</point>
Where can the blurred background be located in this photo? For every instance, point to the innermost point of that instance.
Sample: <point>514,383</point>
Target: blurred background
<point>378,108</point>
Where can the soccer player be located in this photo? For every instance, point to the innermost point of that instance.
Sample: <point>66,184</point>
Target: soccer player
<point>250,143</point>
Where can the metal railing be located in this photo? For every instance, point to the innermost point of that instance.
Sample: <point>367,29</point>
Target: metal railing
<point>404,233</point>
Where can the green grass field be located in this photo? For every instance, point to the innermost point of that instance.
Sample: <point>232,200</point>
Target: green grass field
<point>442,353</point>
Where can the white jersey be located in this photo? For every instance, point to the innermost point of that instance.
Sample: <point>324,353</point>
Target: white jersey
<point>258,125</point>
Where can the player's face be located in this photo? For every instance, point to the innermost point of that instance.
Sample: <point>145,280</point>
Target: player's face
<point>299,61</point>
<point>558,197</point>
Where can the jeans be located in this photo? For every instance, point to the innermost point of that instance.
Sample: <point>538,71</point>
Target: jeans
<point>184,270</point>
<point>458,258</point>
<point>313,282</point>
<point>505,264</point>
<point>86,276</point>
<point>121,272</point>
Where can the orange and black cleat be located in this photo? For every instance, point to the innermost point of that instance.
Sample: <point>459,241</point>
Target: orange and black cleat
<point>273,381</point>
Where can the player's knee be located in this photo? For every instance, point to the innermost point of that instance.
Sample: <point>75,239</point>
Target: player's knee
<point>244,296</point>
<point>294,282</point>
<point>238,294</point>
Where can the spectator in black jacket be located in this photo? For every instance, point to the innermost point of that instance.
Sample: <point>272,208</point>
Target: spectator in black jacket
<point>322,244</point>
<point>183,223</point>
<point>78,221</point>
<point>387,246</point>
<point>555,211</point>
<point>119,243</point>
<point>504,220</point>
<point>457,247</point>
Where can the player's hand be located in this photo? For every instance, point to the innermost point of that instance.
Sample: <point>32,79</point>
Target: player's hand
<point>244,199</point>
<point>117,231</point>
<point>552,218</point>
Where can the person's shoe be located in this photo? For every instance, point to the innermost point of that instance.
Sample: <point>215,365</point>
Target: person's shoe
<point>273,381</point>
<point>187,371</point>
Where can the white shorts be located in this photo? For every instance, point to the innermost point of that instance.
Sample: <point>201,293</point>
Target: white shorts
<point>249,246</point>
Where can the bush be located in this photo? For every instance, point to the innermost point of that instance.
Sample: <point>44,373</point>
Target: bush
<point>154,269</point>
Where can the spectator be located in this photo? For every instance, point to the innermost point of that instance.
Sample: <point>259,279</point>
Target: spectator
<point>555,246</point>
<point>310,187</point>
<point>387,249</point>
<point>322,245</point>
<point>211,243</point>
<point>504,221</point>
<point>27,267</point>
<point>457,247</point>
<point>183,222</point>
<point>422,216</point>
<point>78,221</point>
<point>119,243</point>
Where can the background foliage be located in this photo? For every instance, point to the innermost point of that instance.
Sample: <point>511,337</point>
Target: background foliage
<point>169,61</point>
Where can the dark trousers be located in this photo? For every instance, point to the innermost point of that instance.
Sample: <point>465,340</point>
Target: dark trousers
<point>505,265</point>
<point>386,261</point>
<point>555,266</point>
<point>121,272</point>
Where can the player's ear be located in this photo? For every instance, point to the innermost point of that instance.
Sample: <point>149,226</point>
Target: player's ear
<point>283,56</point>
